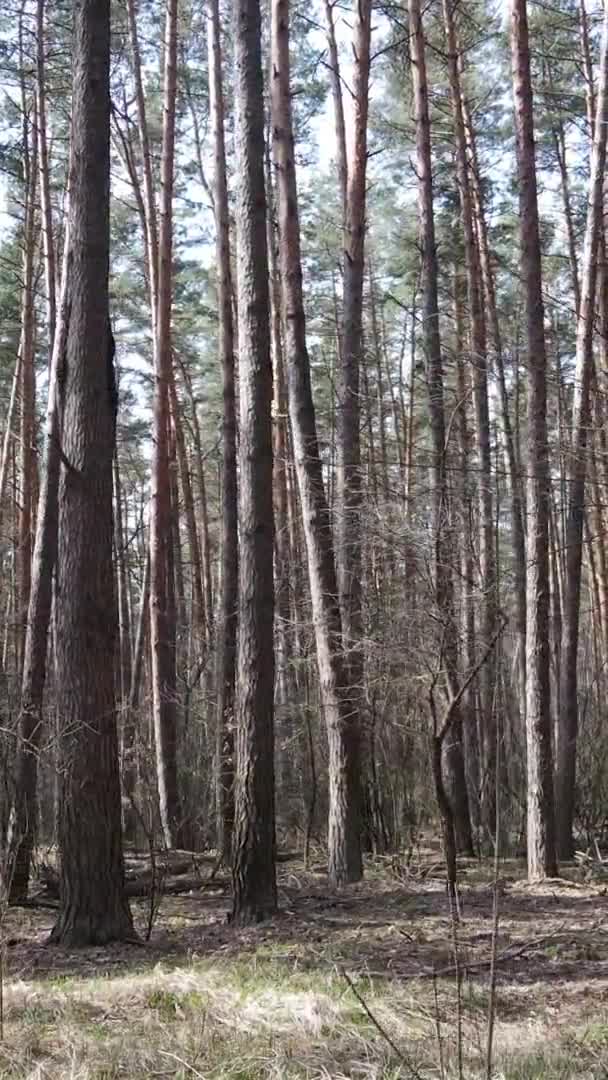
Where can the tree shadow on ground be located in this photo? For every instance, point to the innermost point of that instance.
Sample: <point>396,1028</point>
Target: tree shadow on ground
<point>388,931</point>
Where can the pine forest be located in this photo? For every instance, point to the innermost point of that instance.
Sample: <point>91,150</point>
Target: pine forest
<point>304,539</point>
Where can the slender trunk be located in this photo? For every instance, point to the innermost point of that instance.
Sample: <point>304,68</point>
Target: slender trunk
<point>348,463</point>
<point>150,205</point>
<point>487,562</point>
<point>336,93</point>
<point>559,140</point>
<point>50,270</point>
<point>516,499</point>
<point>129,736</point>
<point>124,614</point>
<point>344,796</point>
<point>581,421</point>
<point>188,497</point>
<point>227,639</point>
<point>542,861</point>
<point>282,555</point>
<point>162,613</point>
<point>453,763</point>
<point>27,460</point>
<point>470,725</point>
<point>39,611</point>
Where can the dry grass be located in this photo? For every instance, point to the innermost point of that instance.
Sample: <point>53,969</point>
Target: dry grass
<point>204,1001</point>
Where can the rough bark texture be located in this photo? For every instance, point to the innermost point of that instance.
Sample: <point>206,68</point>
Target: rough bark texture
<point>581,424</point>
<point>230,557</point>
<point>93,906</point>
<point>541,813</point>
<point>344,796</point>
<point>254,877</point>
<point>453,761</point>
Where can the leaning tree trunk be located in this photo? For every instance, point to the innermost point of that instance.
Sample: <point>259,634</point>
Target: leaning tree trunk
<point>579,450</point>
<point>23,825</point>
<point>230,558</point>
<point>93,908</point>
<point>542,860</point>
<point>27,396</point>
<point>344,795</point>
<point>254,875</point>
<point>453,760</point>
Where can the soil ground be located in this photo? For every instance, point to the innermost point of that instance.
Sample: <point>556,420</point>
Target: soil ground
<point>376,982</point>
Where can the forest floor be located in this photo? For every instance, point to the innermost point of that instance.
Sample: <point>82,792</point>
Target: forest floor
<point>360,984</point>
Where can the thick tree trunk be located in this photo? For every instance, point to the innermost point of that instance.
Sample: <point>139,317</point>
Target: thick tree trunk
<point>93,905</point>
<point>542,860</point>
<point>344,795</point>
<point>453,760</point>
<point>227,636</point>
<point>579,451</point>
<point>254,877</point>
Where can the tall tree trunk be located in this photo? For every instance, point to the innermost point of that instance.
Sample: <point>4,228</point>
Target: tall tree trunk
<point>487,562</point>
<point>284,733</point>
<point>453,761</point>
<point>149,203</point>
<point>27,395</point>
<point>93,905</point>
<point>21,841</point>
<point>188,497</point>
<point>45,185</point>
<point>229,551</point>
<point>162,613</point>
<point>129,731</point>
<point>516,499</point>
<point>579,450</point>
<point>542,861</point>
<point>338,100</point>
<point>348,472</point>
<point>344,795</point>
<point>254,874</point>
<point>122,584</point>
